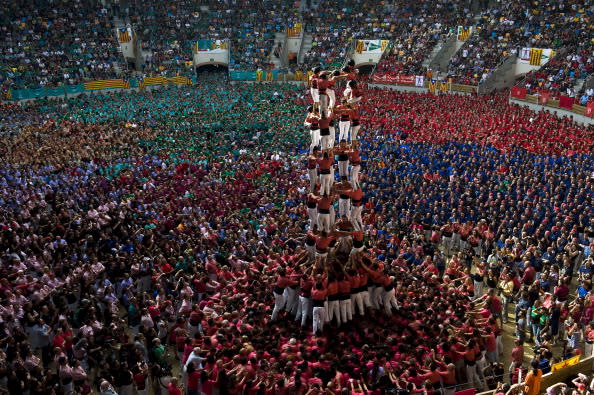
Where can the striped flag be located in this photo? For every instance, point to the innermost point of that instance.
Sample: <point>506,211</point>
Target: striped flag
<point>432,85</point>
<point>360,46</point>
<point>464,33</point>
<point>124,35</point>
<point>106,84</point>
<point>535,56</point>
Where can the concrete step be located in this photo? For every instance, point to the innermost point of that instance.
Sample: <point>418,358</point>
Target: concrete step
<point>279,39</point>
<point>305,47</point>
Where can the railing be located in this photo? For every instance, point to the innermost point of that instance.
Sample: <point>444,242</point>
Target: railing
<point>552,103</point>
<point>588,82</point>
<point>350,50</point>
<point>484,85</point>
<point>300,53</point>
<point>285,52</point>
<point>549,379</point>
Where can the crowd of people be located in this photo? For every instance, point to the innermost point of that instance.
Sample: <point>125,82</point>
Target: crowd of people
<point>46,44</point>
<point>160,239</point>
<point>507,26</point>
<point>561,74</point>
<point>169,31</point>
<point>420,29</point>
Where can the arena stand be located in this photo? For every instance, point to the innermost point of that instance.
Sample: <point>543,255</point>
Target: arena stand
<point>48,45</point>
<point>509,26</point>
<point>158,237</point>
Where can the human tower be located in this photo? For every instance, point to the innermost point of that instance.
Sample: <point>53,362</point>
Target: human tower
<point>328,154</point>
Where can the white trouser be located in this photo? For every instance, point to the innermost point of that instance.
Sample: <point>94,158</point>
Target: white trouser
<point>354,132</point>
<point>279,302</point>
<point>324,222</point>
<point>478,289</point>
<point>315,95</point>
<point>355,176</point>
<point>315,139</point>
<point>343,128</point>
<point>319,317</point>
<point>366,295</point>
<point>356,217</point>
<point>312,213</point>
<point>499,342</point>
<point>357,303</point>
<point>323,105</point>
<point>334,311</point>
<point>463,244</point>
<point>331,97</point>
<point>332,217</point>
<point>326,142</point>
<point>313,179</point>
<point>292,300</point>
<point>321,256</point>
<point>390,301</point>
<point>372,299</point>
<point>343,168</point>
<point>472,376</point>
<point>332,136</point>
<point>326,181</point>
<point>303,310</point>
<point>447,245</point>
<point>344,208</point>
<point>456,241</point>
<point>481,364</point>
<point>346,312</point>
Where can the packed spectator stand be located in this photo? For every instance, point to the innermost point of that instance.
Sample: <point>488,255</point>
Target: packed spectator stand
<point>156,241</point>
<point>46,44</point>
<point>196,197</point>
<point>508,26</point>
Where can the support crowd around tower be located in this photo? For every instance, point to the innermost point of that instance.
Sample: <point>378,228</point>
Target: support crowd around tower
<point>334,279</point>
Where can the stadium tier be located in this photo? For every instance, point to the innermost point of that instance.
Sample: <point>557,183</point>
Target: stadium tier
<point>380,223</point>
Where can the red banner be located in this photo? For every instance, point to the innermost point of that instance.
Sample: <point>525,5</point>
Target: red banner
<point>519,93</point>
<point>566,102</point>
<point>394,79</point>
<point>589,109</point>
<point>544,97</point>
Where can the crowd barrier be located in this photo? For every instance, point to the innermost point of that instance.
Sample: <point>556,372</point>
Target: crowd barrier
<point>559,376</point>
<point>257,75</point>
<point>234,75</point>
<point>557,104</point>
<point>424,82</point>
<point>37,93</point>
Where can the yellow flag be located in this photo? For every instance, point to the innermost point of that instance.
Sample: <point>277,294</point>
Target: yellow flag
<point>566,363</point>
<point>359,47</point>
<point>535,56</point>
